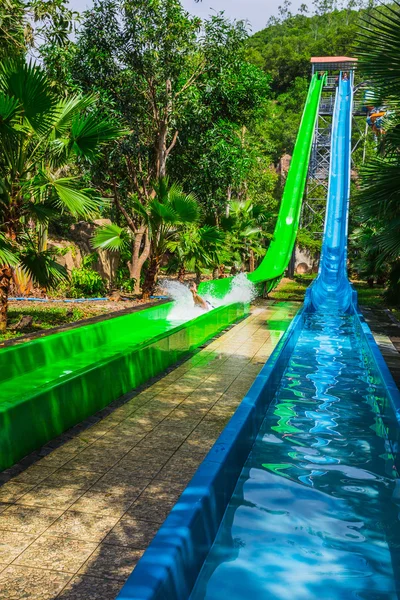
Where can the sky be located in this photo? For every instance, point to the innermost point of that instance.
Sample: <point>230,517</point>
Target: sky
<point>257,12</point>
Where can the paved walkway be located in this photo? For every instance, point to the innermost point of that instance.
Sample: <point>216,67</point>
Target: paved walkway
<point>74,523</point>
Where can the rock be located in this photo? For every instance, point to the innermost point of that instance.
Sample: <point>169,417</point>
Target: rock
<point>107,262</point>
<point>115,297</point>
<point>67,253</point>
<point>302,269</point>
<point>23,323</point>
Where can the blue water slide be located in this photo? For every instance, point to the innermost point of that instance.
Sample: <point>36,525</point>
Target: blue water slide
<point>332,285</point>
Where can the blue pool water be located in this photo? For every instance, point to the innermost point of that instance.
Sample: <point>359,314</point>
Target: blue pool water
<point>315,513</point>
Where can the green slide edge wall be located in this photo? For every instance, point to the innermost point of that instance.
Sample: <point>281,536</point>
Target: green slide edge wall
<point>280,250</point>
<point>27,422</point>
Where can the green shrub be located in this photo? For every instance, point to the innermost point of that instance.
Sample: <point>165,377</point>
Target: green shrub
<point>85,283</point>
<point>128,285</point>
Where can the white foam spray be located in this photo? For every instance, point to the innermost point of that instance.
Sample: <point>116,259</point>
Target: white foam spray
<point>183,309</point>
<point>240,290</point>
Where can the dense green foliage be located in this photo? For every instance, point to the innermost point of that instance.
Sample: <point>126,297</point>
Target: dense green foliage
<point>172,127</point>
<point>41,137</point>
<point>379,197</point>
<point>284,50</point>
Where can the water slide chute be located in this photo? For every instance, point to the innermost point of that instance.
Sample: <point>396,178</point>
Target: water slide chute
<point>278,255</point>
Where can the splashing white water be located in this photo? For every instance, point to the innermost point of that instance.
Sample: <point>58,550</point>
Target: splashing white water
<point>183,309</point>
<point>241,290</point>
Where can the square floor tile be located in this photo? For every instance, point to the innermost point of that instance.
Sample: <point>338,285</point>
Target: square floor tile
<point>12,543</point>
<point>51,497</point>
<point>115,562</point>
<point>34,474</point>
<point>82,526</point>
<point>132,532</point>
<point>28,519</point>
<point>58,554</point>
<point>115,482</point>
<point>17,583</point>
<point>106,503</point>
<point>90,588</point>
<point>10,491</point>
<point>95,459</point>
<point>72,478</point>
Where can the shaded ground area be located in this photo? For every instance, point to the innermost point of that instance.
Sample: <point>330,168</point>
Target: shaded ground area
<point>75,521</point>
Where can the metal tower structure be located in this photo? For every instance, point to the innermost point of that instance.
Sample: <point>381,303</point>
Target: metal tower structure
<point>313,213</point>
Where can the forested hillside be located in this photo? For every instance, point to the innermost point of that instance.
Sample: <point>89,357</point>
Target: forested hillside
<point>283,49</point>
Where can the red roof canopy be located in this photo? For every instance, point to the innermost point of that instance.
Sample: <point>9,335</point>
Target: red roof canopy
<point>333,59</point>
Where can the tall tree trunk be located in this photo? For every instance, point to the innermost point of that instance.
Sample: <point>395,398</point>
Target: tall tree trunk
<point>5,282</point>
<point>135,265</point>
<point>252,262</point>
<point>198,277</point>
<point>150,281</point>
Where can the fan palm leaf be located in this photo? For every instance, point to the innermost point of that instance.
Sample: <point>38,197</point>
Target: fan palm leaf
<point>110,237</point>
<point>8,253</point>
<point>29,85</point>
<point>89,133</point>
<point>42,267</point>
<point>379,50</point>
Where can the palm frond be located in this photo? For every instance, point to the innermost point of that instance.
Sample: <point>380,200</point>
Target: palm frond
<point>41,212</point>
<point>139,209</point>
<point>165,212</point>
<point>30,86</point>
<point>8,253</point>
<point>79,202</point>
<point>210,234</point>
<point>185,206</point>
<point>89,133</point>
<point>110,237</point>
<point>68,108</point>
<point>42,267</point>
<point>379,50</point>
<point>9,107</point>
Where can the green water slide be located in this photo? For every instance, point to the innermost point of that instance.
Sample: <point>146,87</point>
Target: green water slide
<point>280,250</point>
<point>47,385</point>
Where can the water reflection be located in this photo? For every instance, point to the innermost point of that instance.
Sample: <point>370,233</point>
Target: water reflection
<point>316,511</point>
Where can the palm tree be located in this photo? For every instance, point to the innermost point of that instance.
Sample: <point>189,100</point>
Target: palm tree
<point>246,224</point>
<point>42,137</point>
<point>164,216</point>
<point>379,59</point>
<point>196,249</point>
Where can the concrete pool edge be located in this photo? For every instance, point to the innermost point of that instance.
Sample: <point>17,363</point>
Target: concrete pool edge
<point>32,420</point>
<point>169,568</point>
<point>170,565</point>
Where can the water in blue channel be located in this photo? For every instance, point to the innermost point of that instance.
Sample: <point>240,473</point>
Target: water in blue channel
<point>315,514</point>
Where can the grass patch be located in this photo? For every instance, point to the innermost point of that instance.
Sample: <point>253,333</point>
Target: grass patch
<point>367,296</point>
<point>44,317</point>
<point>294,290</point>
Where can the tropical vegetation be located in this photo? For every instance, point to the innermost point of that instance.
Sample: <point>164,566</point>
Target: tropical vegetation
<point>170,129</point>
